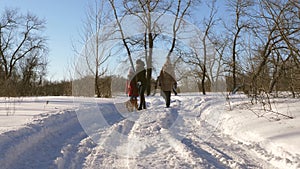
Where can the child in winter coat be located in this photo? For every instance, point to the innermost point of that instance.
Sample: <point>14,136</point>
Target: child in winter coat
<point>132,89</point>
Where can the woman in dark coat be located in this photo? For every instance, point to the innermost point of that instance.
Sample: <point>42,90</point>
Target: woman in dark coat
<point>167,81</point>
<point>142,82</point>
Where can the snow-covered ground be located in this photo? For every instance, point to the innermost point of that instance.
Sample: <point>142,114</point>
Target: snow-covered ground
<point>196,132</point>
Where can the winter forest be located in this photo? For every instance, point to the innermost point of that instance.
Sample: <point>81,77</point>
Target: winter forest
<point>231,98</point>
<point>253,46</point>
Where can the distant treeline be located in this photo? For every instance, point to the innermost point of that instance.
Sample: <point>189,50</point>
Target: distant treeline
<point>16,89</point>
<point>110,85</point>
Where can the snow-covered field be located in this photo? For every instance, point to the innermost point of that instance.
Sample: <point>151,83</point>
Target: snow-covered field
<point>196,132</point>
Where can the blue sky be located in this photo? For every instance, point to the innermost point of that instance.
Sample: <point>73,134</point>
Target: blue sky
<point>64,21</point>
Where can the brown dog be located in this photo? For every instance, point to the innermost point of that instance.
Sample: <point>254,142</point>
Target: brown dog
<point>131,105</point>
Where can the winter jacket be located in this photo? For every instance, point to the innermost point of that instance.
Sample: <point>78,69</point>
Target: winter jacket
<point>141,77</point>
<point>141,72</point>
<point>132,88</point>
<point>166,81</point>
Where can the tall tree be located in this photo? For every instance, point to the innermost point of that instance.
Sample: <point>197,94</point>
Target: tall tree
<point>203,51</point>
<point>239,10</point>
<point>208,23</point>
<point>94,38</point>
<point>121,31</point>
<point>277,30</point>
<point>149,12</point>
<point>21,41</point>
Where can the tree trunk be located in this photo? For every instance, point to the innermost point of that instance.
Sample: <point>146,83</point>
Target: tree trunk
<point>203,81</point>
<point>149,63</point>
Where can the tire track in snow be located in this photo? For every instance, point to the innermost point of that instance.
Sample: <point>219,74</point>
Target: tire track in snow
<point>193,156</point>
<point>110,138</point>
<point>205,141</point>
<point>131,140</point>
<point>158,139</point>
<point>171,138</point>
<point>41,143</point>
<point>160,148</point>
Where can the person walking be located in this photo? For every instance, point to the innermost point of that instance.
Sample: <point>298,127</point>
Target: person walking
<point>167,81</point>
<point>142,82</point>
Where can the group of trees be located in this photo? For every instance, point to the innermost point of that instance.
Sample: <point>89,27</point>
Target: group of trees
<point>255,47</point>
<point>265,45</point>
<point>23,57</point>
<point>252,45</point>
<point>23,51</point>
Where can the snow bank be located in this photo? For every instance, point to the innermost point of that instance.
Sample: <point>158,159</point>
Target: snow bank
<point>272,137</point>
<point>16,113</point>
<point>196,132</point>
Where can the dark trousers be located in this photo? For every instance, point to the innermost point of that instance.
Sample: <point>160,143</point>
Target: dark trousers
<point>142,97</point>
<point>167,97</point>
<point>174,90</point>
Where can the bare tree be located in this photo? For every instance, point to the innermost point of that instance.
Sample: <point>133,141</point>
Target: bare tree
<point>216,62</point>
<point>21,41</point>
<point>95,35</point>
<point>278,29</point>
<point>144,10</point>
<point>33,70</point>
<point>239,10</point>
<point>208,24</point>
<point>121,31</point>
<point>288,29</point>
<point>202,50</point>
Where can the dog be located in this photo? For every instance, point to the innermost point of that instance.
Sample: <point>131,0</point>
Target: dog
<point>131,105</point>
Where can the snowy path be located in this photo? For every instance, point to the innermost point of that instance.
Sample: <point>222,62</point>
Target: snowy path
<point>178,137</point>
<point>170,138</point>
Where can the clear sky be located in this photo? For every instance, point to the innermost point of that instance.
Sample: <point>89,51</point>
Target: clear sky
<point>64,20</point>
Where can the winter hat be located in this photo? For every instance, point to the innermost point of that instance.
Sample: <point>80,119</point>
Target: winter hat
<point>130,73</point>
<point>140,62</point>
<point>139,65</point>
<point>168,67</point>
